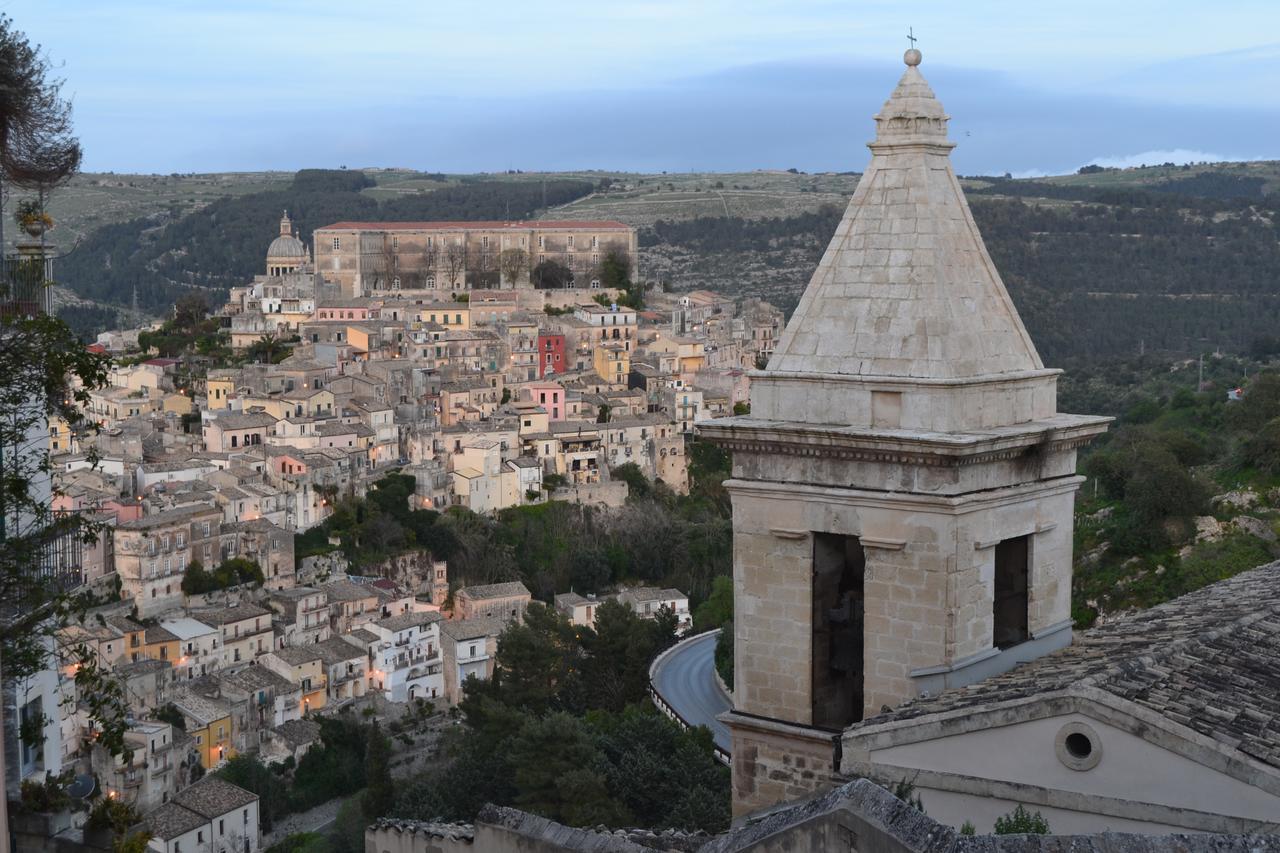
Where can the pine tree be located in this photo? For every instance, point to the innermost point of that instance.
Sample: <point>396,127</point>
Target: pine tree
<point>379,793</point>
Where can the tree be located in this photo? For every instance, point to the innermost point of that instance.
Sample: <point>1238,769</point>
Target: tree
<point>589,571</point>
<point>247,771</point>
<point>428,264</point>
<point>38,149</point>
<point>551,275</point>
<point>170,714</point>
<point>1261,449</point>
<point>482,270</point>
<point>190,311</point>
<point>380,794</point>
<point>230,572</point>
<point>48,375</point>
<point>553,761</point>
<point>718,606</point>
<point>638,485</point>
<point>534,659</point>
<point>264,349</point>
<point>1261,403</point>
<point>455,260</point>
<point>662,775</point>
<point>1022,822</point>
<point>614,671</point>
<point>724,653</point>
<point>513,263</point>
<point>615,271</point>
<point>348,828</point>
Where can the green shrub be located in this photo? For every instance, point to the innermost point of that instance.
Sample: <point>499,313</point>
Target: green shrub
<point>1022,822</point>
<point>232,572</point>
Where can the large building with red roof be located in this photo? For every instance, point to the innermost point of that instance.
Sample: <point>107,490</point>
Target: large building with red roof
<point>367,258</point>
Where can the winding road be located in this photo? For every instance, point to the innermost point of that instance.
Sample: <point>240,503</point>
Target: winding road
<point>685,678</point>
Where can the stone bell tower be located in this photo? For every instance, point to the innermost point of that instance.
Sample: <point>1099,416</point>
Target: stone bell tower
<point>904,485</point>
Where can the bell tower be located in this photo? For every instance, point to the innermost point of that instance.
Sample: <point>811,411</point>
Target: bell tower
<point>903,488</point>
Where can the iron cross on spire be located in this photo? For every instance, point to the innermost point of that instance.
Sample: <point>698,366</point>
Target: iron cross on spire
<point>911,36</point>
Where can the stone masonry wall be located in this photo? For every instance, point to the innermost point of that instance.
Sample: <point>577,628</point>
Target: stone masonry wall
<point>774,763</point>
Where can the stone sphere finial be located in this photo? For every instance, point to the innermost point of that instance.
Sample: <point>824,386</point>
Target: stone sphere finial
<point>911,57</point>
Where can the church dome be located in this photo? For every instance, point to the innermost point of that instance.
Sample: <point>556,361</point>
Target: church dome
<point>286,253</point>
<point>286,246</point>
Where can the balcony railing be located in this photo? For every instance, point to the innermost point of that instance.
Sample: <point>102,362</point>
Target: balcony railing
<point>25,285</point>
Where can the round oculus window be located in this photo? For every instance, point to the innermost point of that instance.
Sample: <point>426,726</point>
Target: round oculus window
<point>1078,746</point>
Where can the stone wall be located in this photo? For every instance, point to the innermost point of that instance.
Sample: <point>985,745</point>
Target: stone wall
<point>504,830</point>
<point>612,494</point>
<point>858,816</point>
<point>317,569</point>
<point>776,763</point>
<point>411,570</point>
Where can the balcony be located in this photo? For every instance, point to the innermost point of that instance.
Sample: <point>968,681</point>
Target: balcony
<point>24,285</point>
<point>355,675</point>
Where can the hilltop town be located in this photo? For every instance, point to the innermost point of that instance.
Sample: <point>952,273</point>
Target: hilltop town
<point>419,355</point>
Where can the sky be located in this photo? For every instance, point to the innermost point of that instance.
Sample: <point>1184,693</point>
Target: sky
<point>163,86</point>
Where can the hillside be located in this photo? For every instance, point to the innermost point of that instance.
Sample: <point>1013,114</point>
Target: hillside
<point>167,253</point>
<point>1109,263</point>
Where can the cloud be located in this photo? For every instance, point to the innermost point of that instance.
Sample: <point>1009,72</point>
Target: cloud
<point>1176,156</point>
<point>813,115</point>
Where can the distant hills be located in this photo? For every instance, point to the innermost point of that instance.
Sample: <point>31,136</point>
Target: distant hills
<point>1102,264</point>
<point>223,243</point>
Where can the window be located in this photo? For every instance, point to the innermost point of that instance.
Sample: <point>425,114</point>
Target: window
<point>431,282</point>
<point>570,242</point>
<point>595,242</point>
<point>337,244</point>
<point>1078,746</point>
<point>395,243</point>
<point>395,283</point>
<point>542,244</point>
<point>484,242</point>
<point>221,829</point>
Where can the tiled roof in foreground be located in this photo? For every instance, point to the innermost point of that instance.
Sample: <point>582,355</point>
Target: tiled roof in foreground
<point>1207,661</point>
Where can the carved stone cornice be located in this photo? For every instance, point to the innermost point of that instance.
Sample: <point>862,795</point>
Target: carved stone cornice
<point>901,447</point>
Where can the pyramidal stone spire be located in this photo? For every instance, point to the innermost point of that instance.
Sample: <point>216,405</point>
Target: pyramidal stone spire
<point>906,288</point>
